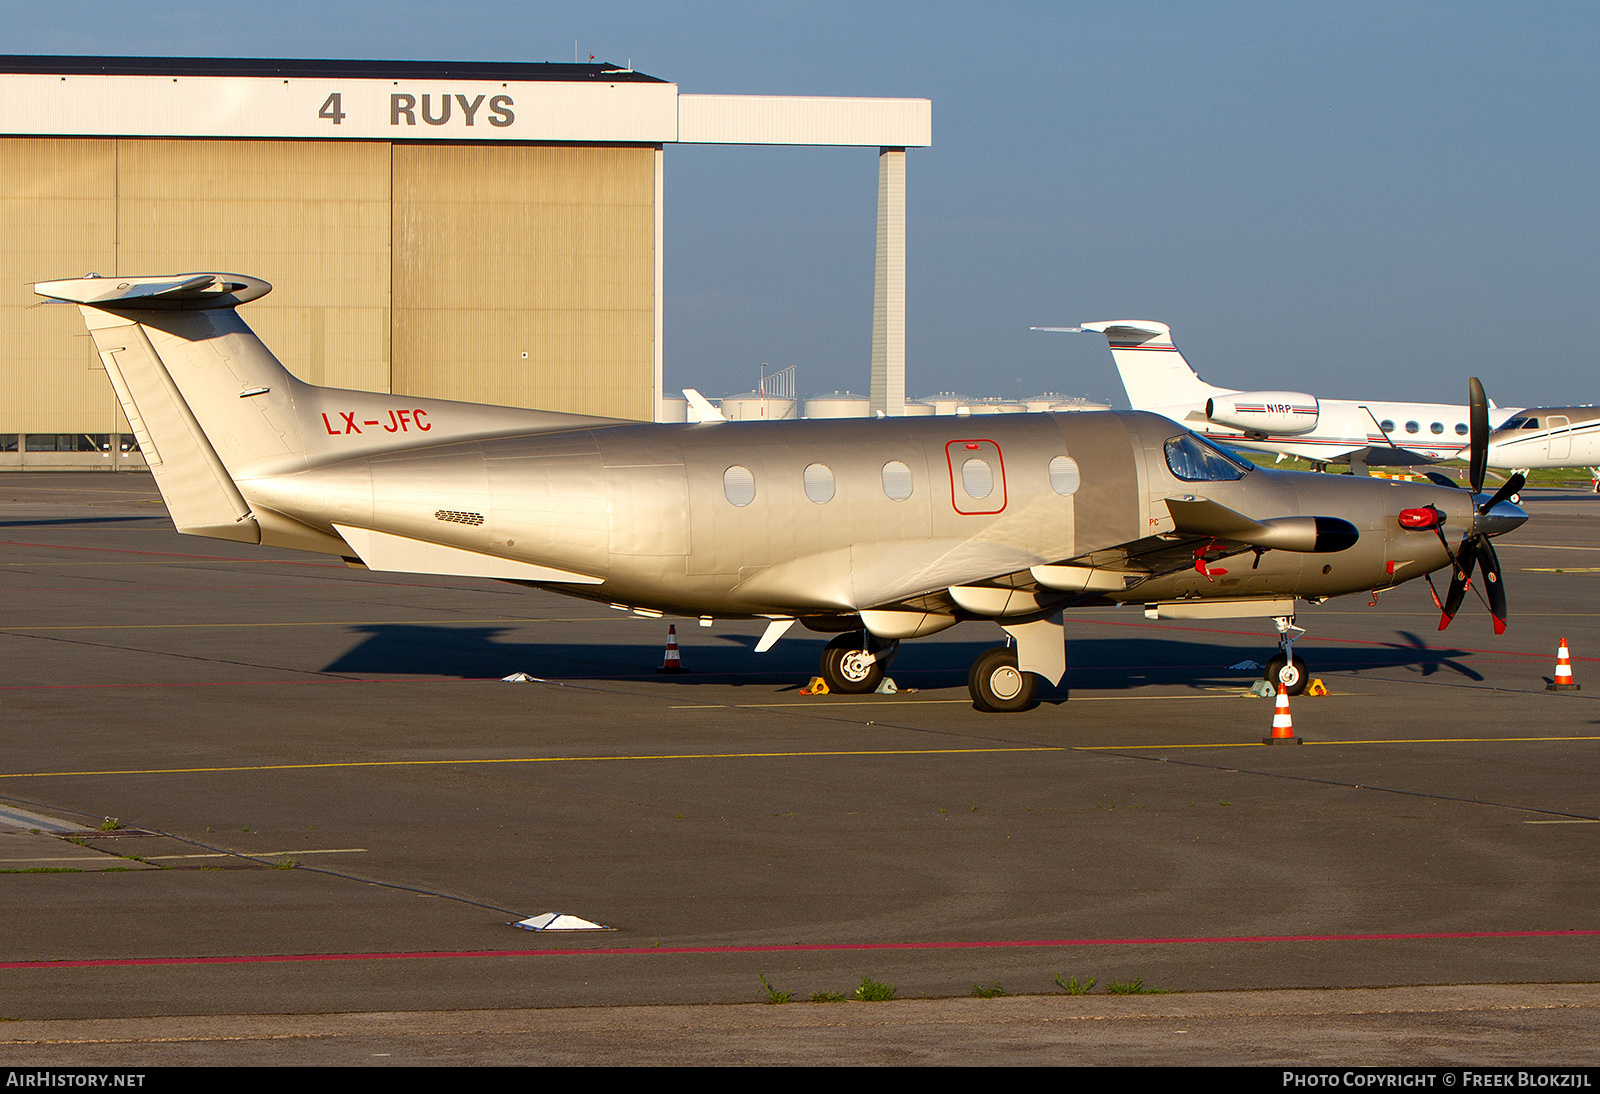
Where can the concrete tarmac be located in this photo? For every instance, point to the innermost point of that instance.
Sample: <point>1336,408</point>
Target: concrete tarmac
<point>263,784</point>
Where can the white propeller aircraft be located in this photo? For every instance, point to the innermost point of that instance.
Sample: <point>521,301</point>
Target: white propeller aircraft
<point>876,530</point>
<point>1290,423</point>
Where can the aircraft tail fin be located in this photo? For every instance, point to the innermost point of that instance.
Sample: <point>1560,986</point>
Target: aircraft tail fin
<point>1153,372</point>
<point>213,408</point>
<point>174,351</point>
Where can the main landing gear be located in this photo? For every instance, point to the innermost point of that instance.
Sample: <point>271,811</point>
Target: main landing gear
<point>998,686</point>
<point>854,663</point>
<point>1286,668</point>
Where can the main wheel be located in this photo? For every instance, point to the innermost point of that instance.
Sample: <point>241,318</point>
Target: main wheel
<point>1293,675</point>
<point>998,686</point>
<point>848,667</point>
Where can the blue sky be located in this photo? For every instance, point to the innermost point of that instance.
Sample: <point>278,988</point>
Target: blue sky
<point>1370,200</point>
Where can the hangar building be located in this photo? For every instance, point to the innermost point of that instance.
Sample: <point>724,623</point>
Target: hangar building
<point>478,231</point>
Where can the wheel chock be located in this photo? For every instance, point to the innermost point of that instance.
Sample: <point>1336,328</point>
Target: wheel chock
<point>817,686</point>
<point>1316,687</point>
<point>886,687</point>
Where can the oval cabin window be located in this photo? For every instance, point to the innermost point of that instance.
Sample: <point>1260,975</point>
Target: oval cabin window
<point>896,481</point>
<point>1064,476</point>
<point>739,485</point>
<point>977,478</point>
<point>819,483</point>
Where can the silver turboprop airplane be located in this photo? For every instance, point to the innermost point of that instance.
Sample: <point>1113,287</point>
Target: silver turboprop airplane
<point>878,530</point>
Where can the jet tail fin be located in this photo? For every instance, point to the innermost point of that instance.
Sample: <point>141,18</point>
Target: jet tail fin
<point>1153,372</point>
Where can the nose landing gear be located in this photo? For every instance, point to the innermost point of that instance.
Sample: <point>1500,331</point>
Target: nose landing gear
<point>1287,668</point>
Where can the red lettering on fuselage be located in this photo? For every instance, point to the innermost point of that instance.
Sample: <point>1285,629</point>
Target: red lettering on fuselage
<point>400,421</point>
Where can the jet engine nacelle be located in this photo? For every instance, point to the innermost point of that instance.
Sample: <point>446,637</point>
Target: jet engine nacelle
<point>1280,412</point>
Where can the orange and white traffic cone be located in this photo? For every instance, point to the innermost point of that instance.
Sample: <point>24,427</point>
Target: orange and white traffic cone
<point>672,660</point>
<point>1282,724</point>
<point>1563,680</point>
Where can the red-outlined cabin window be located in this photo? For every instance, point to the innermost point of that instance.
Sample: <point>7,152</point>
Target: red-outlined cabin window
<point>977,476</point>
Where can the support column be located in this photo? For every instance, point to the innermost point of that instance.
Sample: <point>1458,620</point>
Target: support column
<point>889,287</point>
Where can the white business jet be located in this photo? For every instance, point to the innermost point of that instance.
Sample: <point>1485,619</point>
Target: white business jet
<point>1289,423</point>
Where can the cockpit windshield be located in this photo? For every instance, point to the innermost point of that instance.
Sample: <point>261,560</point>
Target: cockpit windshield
<point>1194,459</point>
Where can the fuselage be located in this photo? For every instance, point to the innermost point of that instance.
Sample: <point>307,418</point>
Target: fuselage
<point>819,518</point>
<point>1561,436</point>
<point>1432,431</point>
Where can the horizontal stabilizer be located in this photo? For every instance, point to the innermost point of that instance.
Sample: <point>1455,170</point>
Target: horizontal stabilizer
<point>390,553</point>
<point>194,292</point>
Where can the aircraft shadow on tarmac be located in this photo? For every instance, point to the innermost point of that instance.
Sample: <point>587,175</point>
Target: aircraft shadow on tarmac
<point>1099,664</point>
<point>45,522</point>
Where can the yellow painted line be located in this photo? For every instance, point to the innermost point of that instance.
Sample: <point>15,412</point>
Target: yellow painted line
<point>1561,569</point>
<point>463,762</point>
<point>534,760</point>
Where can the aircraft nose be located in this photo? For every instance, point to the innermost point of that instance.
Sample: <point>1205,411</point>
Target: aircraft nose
<point>1501,519</point>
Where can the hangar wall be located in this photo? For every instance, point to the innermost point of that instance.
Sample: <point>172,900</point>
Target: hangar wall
<point>520,274</point>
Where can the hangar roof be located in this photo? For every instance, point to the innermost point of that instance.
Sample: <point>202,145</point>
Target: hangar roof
<point>318,69</point>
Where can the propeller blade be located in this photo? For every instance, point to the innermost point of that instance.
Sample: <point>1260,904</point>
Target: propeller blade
<point>1512,485</point>
<point>1438,478</point>
<point>1489,564</point>
<point>1478,420</point>
<point>1460,578</point>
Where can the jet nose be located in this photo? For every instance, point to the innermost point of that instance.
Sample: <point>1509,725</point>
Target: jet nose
<point>1504,517</point>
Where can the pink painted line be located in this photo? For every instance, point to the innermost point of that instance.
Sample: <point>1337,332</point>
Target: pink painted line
<point>160,554</point>
<point>1446,649</point>
<point>825,947</point>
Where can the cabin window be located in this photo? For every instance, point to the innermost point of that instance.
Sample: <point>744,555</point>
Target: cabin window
<point>1531,423</point>
<point>1064,477</point>
<point>977,478</point>
<point>1387,425</point>
<point>819,483</point>
<point>896,481</point>
<point>1461,429</point>
<point>1413,427</point>
<point>1436,427</point>
<point>739,485</point>
<point>1194,460</point>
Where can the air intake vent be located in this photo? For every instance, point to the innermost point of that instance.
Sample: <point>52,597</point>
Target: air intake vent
<point>450,516</point>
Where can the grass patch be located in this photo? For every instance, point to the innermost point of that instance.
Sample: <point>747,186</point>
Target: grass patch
<point>872,991</point>
<point>773,994</point>
<point>1073,986</point>
<point>110,824</point>
<point>1135,987</point>
<point>993,991</point>
<point>826,997</point>
<point>286,863</point>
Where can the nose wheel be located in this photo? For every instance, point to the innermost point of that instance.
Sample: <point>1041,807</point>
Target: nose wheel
<point>1291,673</point>
<point>998,686</point>
<point>1287,669</point>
